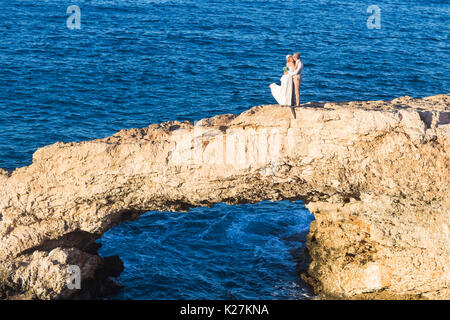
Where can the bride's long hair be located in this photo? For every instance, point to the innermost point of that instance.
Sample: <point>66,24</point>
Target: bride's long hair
<point>289,59</point>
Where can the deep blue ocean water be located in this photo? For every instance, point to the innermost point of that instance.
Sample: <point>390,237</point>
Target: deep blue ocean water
<point>136,62</point>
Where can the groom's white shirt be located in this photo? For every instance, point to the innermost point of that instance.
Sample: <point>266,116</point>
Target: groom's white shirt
<point>298,70</point>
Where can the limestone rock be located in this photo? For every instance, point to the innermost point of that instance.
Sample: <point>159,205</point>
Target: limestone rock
<point>374,173</point>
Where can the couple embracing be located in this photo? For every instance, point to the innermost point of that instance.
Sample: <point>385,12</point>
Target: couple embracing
<point>290,82</point>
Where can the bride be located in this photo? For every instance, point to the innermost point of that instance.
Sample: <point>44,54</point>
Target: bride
<point>284,93</point>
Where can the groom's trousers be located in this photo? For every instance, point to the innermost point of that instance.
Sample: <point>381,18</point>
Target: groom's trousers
<point>297,82</point>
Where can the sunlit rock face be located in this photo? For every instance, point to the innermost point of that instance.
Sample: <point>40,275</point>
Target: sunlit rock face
<point>375,174</point>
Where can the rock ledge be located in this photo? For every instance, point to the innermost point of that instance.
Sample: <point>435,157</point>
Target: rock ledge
<point>374,173</point>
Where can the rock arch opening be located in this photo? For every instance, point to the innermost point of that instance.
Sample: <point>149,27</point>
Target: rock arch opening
<point>251,251</point>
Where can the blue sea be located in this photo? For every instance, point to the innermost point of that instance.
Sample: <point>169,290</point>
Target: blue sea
<point>137,62</point>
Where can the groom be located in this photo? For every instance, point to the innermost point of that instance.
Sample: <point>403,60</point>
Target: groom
<point>297,76</point>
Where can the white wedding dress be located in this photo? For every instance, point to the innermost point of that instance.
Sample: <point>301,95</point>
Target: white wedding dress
<point>284,94</point>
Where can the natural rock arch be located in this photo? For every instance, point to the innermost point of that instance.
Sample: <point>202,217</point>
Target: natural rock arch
<point>375,175</point>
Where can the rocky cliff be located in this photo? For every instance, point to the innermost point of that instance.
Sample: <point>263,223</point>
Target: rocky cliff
<point>375,174</point>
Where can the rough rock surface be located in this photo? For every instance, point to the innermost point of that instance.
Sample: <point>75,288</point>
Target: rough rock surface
<point>375,174</point>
